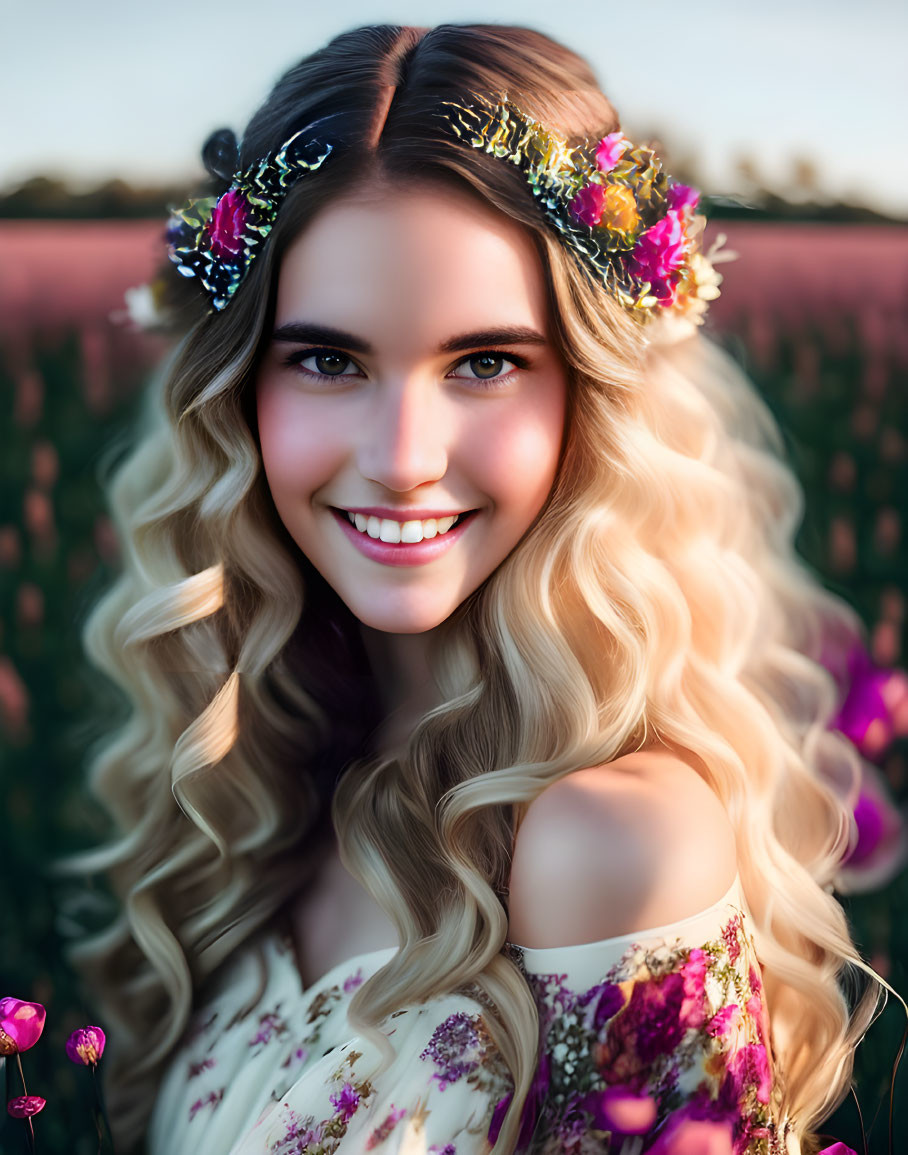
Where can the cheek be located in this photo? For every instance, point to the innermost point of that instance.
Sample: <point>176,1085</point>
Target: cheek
<point>298,449</point>
<point>520,457</point>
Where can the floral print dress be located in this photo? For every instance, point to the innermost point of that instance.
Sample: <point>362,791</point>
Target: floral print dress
<point>655,1043</point>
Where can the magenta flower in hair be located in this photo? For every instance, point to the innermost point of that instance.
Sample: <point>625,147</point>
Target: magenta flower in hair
<point>24,1106</point>
<point>226,225</point>
<point>681,196</point>
<point>611,149</point>
<point>659,254</point>
<point>85,1046</point>
<point>587,204</point>
<point>21,1024</point>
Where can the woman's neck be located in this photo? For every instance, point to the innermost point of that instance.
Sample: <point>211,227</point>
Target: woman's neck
<point>400,663</point>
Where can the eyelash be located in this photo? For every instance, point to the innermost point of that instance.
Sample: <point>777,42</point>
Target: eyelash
<point>295,361</point>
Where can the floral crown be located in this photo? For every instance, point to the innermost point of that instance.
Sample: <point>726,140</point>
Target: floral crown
<point>629,222</point>
<point>216,238</point>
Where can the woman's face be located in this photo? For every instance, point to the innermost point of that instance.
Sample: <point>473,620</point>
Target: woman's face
<point>410,379</point>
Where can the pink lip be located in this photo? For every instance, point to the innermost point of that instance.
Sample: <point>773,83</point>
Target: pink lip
<point>402,553</point>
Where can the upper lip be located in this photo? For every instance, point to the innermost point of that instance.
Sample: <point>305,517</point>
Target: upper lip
<point>402,514</point>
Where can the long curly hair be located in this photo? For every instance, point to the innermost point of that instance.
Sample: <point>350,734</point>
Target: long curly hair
<point>658,597</point>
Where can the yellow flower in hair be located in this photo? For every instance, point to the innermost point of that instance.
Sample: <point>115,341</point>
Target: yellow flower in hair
<point>619,209</point>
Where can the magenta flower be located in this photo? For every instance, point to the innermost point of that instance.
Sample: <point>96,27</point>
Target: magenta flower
<point>21,1024</point>
<point>685,1135</point>
<point>611,149</point>
<point>681,196</point>
<point>838,1149</point>
<point>749,1067</point>
<point>875,708</point>
<point>24,1106</point>
<point>659,254</point>
<point>86,1045</point>
<point>882,846</point>
<point>226,225</point>
<point>588,203</point>
<point>622,1110</point>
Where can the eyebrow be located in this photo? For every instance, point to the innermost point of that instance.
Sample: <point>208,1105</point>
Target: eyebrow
<point>299,332</point>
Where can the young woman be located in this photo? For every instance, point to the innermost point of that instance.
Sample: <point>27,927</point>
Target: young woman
<point>478,789</point>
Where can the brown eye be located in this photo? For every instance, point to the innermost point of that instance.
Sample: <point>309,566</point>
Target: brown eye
<point>331,364</point>
<point>486,364</point>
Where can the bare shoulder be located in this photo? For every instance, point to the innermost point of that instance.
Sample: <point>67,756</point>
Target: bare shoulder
<point>614,849</point>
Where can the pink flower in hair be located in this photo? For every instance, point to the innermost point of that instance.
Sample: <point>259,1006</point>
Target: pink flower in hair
<point>587,204</point>
<point>681,196</point>
<point>226,224</point>
<point>611,149</point>
<point>659,254</point>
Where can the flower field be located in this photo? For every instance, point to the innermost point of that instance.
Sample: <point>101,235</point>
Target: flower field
<point>818,316</point>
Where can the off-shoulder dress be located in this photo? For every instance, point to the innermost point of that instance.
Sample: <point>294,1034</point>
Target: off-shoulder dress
<point>649,1043</point>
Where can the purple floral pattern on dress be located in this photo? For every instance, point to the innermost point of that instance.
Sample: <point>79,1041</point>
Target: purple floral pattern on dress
<point>673,1042</point>
<point>455,1049</point>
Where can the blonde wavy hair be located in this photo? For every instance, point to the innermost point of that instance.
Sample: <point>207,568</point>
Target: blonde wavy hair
<point>658,598</point>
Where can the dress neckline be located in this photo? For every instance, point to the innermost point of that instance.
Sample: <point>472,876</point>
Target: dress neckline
<point>732,895</point>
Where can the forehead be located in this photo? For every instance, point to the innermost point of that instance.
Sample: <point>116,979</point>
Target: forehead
<point>412,264</point>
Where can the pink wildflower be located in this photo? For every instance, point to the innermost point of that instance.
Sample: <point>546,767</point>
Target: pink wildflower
<point>611,149</point>
<point>21,1024</point>
<point>226,225</point>
<point>86,1045</point>
<point>838,1149</point>
<point>24,1106</point>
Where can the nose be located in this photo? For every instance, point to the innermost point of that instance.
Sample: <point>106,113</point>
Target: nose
<point>405,442</point>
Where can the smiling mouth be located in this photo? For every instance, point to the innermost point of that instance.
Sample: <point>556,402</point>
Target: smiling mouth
<point>391,532</point>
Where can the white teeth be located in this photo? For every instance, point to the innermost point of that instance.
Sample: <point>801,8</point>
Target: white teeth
<point>385,529</point>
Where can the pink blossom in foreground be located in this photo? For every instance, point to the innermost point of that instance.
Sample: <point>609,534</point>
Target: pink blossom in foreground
<point>86,1045</point>
<point>24,1106</point>
<point>21,1024</point>
<point>881,849</point>
<point>623,1110</point>
<point>838,1149</point>
<point>687,1136</point>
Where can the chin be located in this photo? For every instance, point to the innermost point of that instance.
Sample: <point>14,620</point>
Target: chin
<point>400,620</point>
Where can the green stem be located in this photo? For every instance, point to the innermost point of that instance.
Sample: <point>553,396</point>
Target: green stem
<point>99,1099</point>
<point>32,1145</point>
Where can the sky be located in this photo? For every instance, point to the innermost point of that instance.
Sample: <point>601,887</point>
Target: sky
<point>105,88</point>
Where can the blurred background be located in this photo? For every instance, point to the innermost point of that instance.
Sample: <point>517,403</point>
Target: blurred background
<point>790,116</point>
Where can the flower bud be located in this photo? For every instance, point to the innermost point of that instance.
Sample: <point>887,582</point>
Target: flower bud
<point>25,1106</point>
<point>86,1045</point>
<point>21,1024</point>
